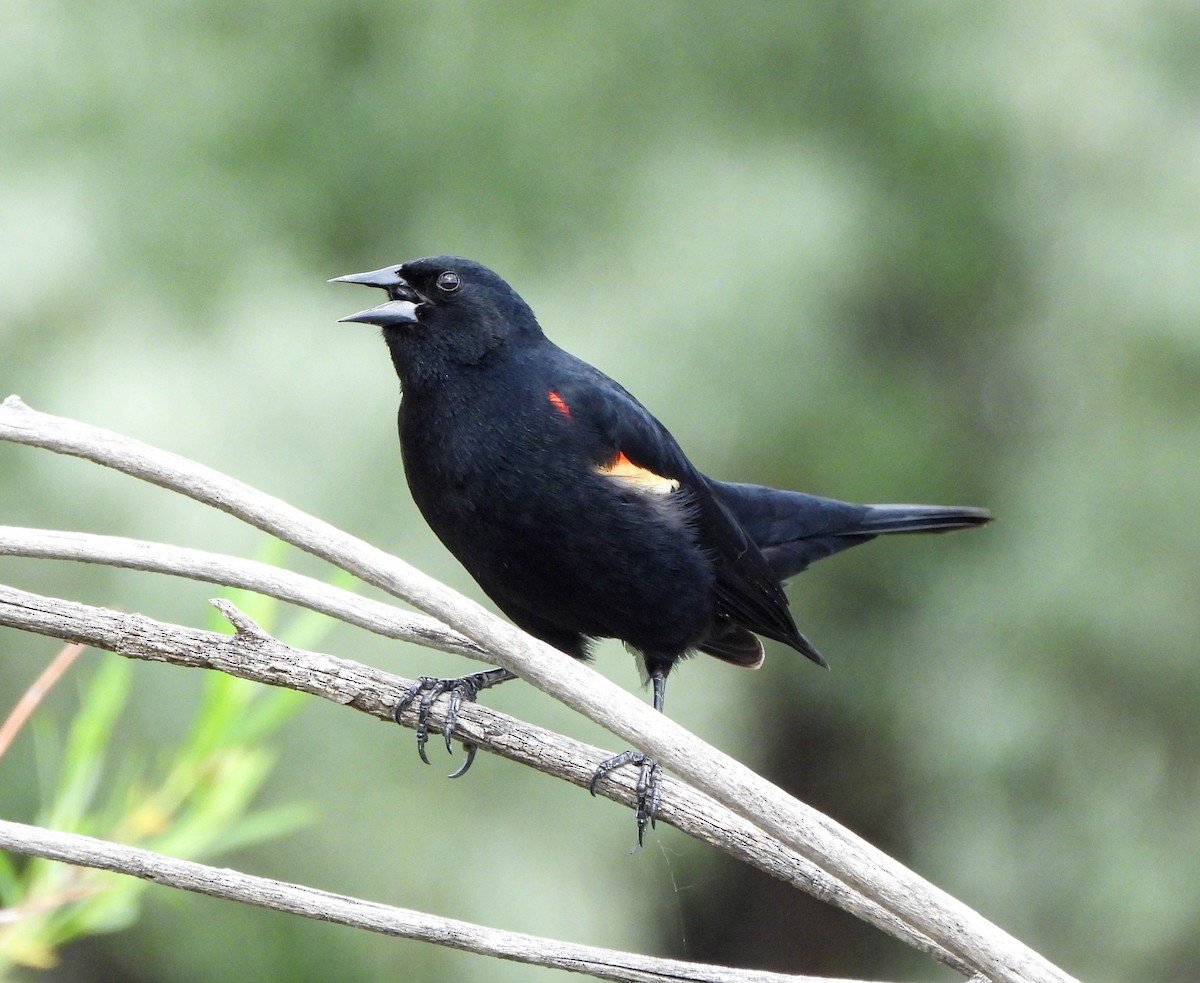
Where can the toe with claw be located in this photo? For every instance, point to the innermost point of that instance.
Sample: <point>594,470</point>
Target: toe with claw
<point>648,790</point>
<point>425,691</point>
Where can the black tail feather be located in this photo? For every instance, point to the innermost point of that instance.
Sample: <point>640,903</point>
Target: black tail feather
<point>882,519</point>
<point>794,530</point>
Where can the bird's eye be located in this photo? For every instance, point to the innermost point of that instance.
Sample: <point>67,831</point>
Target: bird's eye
<point>448,282</point>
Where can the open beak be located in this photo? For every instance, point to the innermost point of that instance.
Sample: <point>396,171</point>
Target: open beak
<point>387,315</point>
<point>403,303</point>
<point>386,279</point>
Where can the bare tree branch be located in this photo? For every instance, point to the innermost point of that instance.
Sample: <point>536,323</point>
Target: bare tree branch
<point>606,964</point>
<point>847,857</point>
<point>230,571</point>
<point>254,655</point>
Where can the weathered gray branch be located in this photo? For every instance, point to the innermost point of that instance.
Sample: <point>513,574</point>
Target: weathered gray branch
<point>683,807</point>
<point>230,571</point>
<point>847,857</point>
<point>254,655</point>
<point>221,882</point>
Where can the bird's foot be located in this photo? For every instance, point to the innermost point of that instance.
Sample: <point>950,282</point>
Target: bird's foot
<point>462,690</point>
<point>648,789</point>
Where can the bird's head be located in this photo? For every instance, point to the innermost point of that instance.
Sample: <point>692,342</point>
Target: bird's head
<point>443,312</point>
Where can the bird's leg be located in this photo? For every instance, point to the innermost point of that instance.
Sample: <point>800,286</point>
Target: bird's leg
<point>464,689</point>
<point>649,784</point>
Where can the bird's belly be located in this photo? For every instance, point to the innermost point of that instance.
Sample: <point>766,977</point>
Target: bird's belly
<point>582,553</point>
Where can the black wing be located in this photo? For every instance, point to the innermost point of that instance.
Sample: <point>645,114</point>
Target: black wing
<point>748,592</point>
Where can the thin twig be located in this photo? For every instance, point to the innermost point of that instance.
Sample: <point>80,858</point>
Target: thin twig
<point>36,692</point>
<point>849,858</point>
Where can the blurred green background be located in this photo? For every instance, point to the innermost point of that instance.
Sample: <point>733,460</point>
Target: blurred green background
<point>886,251</point>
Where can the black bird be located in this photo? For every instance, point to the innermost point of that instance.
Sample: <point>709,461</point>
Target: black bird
<point>576,510</point>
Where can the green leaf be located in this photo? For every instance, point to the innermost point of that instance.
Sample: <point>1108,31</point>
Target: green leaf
<point>101,703</point>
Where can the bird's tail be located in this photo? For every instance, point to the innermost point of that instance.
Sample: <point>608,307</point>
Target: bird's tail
<point>882,519</point>
<point>793,530</point>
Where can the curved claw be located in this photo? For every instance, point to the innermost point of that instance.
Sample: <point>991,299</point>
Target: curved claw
<point>648,790</point>
<point>462,769</point>
<point>462,690</point>
<point>422,737</point>
<point>435,689</point>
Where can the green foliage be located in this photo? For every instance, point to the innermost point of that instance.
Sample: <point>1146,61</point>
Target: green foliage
<point>191,800</point>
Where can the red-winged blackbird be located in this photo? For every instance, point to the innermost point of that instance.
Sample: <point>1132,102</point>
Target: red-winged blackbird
<point>576,510</point>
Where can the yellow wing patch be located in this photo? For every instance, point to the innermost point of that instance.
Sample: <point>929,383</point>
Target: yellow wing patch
<point>625,471</point>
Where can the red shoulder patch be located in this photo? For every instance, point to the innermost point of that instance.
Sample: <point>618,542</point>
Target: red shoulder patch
<point>558,403</point>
